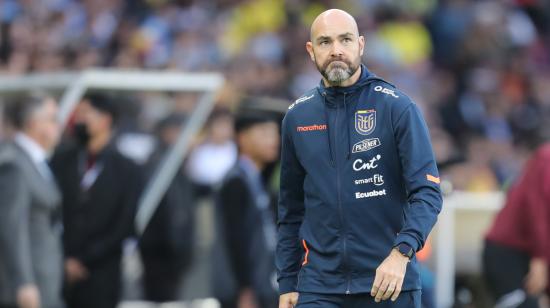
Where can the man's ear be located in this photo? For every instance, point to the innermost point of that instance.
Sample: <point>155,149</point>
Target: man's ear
<point>309,48</point>
<point>361,45</point>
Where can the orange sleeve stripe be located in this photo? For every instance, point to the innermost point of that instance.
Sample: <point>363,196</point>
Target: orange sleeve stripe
<point>432,178</point>
<point>307,252</point>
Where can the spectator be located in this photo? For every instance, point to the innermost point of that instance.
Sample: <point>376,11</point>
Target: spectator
<point>30,246</point>
<point>517,246</point>
<point>211,159</point>
<point>166,246</point>
<point>246,217</point>
<point>100,189</point>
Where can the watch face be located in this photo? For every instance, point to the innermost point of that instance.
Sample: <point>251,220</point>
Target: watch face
<point>406,250</point>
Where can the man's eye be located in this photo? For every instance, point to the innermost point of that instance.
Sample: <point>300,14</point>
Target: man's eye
<point>347,40</point>
<point>323,43</point>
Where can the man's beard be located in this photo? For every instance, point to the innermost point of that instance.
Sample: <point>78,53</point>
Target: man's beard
<point>337,73</point>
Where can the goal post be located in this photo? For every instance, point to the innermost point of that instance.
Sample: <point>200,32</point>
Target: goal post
<point>74,85</point>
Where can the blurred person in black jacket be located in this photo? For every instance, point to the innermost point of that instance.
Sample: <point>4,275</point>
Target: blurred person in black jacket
<point>100,189</point>
<point>246,217</point>
<point>167,243</point>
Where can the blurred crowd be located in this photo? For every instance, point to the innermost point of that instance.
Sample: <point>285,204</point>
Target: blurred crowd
<point>69,201</point>
<point>479,70</point>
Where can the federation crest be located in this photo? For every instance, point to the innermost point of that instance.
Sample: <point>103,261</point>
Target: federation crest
<point>365,121</point>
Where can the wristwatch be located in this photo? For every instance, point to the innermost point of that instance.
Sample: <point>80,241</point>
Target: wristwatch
<point>405,249</point>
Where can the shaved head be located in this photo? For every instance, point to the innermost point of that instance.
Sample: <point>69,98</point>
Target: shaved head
<point>333,18</point>
<point>336,47</point>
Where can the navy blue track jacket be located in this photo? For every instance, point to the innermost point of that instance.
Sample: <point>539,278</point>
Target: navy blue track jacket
<point>358,177</point>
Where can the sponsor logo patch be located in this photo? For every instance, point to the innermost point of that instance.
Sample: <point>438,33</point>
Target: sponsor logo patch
<point>365,145</point>
<point>370,194</point>
<point>365,121</point>
<point>376,179</point>
<point>385,91</point>
<point>300,100</point>
<point>359,164</point>
<point>432,178</point>
<point>310,128</point>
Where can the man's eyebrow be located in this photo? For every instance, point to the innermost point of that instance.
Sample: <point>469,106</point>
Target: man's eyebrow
<point>347,34</point>
<point>328,38</point>
<point>323,38</point>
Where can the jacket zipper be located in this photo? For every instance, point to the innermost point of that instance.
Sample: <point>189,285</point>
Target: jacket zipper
<point>338,187</point>
<point>348,291</point>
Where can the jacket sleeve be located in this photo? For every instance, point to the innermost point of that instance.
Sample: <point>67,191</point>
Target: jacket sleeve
<point>290,214</point>
<point>420,177</point>
<point>15,243</point>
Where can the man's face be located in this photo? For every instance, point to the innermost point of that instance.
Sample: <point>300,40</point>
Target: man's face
<point>43,125</point>
<point>221,129</point>
<point>96,121</point>
<point>336,48</point>
<point>261,142</point>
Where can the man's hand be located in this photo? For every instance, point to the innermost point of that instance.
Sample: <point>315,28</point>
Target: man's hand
<point>28,296</point>
<point>389,277</point>
<point>537,278</point>
<point>75,270</point>
<point>288,300</point>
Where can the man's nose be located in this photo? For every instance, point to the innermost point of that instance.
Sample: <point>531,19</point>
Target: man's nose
<point>337,50</point>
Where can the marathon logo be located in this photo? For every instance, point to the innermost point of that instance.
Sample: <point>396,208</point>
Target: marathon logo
<point>365,145</point>
<point>385,91</point>
<point>300,100</point>
<point>370,194</point>
<point>311,128</point>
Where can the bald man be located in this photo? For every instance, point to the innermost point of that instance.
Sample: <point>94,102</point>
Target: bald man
<point>359,184</point>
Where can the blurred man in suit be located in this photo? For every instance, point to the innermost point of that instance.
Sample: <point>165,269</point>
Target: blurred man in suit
<point>100,188</point>
<point>30,248</point>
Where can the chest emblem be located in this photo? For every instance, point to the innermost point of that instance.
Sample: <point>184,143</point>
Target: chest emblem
<point>365,121</point>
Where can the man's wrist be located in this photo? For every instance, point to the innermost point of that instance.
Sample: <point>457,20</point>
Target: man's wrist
<point>398,255</point>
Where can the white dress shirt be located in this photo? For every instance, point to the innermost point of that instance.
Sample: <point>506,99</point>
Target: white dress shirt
<point>37,154</point>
